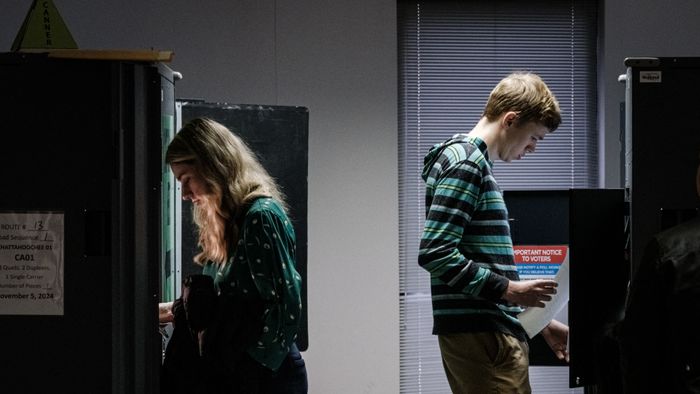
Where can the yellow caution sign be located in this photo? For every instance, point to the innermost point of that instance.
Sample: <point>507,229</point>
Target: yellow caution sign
<point>43,28</point>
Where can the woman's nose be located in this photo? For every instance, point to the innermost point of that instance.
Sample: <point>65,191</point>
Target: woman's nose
<point>186,193</point>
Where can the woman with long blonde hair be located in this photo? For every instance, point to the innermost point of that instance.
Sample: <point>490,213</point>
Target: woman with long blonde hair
<point>247,246</point>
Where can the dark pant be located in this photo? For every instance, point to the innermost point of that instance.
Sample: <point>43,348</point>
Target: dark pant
<point>253,378</point>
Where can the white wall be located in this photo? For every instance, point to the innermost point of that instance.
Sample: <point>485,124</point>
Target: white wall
<point>338,58</point>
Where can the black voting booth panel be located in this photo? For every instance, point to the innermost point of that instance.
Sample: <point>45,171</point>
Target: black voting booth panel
<point>279,137</point>
<point>591,223</point>
<point>662,143</point>
<point>81,138</point>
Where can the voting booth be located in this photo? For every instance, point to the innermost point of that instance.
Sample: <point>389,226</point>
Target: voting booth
<point>81,221</point>
<point>582,231</point>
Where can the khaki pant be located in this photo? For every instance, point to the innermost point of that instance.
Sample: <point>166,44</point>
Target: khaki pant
<point>485,363</point>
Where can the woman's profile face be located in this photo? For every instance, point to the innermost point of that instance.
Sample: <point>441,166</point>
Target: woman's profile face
<point>194,188</point>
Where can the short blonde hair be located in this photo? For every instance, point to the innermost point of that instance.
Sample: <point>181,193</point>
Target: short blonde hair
<point>528,95</point>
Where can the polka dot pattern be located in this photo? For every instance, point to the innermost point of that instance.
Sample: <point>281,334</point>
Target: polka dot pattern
<point>265,270</point>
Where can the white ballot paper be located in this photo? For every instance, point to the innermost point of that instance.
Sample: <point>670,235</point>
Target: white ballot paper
<point>535,319</point>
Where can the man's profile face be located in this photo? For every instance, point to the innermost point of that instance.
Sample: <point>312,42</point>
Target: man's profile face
<point>522,139</point>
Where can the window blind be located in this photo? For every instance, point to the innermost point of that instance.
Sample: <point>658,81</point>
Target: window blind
<point>451,54</point>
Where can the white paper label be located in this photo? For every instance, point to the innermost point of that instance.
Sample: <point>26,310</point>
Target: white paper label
<point>31,263</point>
<point>650,76</point>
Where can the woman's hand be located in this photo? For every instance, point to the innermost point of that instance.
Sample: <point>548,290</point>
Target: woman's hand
<point>165,312</point>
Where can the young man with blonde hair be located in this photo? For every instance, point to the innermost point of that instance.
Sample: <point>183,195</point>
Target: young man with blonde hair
<point>467,249</point>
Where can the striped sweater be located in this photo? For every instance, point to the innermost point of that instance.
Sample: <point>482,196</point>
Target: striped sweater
<point>466,245</point>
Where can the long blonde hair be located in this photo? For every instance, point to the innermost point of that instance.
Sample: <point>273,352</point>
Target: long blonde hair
<point>234,176</point>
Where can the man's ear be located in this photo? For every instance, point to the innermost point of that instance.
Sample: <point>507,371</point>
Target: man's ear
<point>509,118</point>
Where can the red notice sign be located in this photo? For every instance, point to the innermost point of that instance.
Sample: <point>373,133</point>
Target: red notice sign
<point>539,260</point>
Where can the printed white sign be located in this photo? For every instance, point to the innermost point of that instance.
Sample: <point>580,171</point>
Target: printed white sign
<point>31,263</point>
